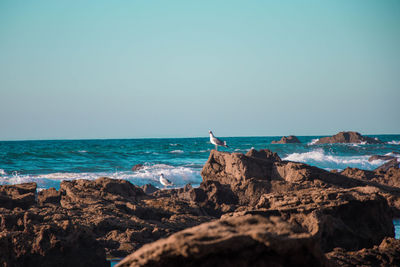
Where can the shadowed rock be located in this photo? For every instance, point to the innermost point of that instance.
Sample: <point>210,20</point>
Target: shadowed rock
<point>240,241</point>
<point>20,195</point>
<point>50,195</point>
<point>386,254</point>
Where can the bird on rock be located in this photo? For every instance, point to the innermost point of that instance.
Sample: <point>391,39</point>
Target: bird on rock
<point>217,142</point>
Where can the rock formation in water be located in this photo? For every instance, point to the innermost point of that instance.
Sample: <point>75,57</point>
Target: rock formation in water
<point>291,139</point>
<point>348,137</point>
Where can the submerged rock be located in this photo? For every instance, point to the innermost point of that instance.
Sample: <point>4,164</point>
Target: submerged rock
<point>137,167</point>
<point>238,241</point>
<point>291,139</point>
<point>348,137</point>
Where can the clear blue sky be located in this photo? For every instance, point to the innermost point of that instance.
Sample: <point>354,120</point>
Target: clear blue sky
<point>125,69</point>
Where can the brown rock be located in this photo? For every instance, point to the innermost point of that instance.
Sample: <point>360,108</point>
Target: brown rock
<point>291,139</point>
<point>28,238</point>
<point>386,254</point>
<point>348,137</point>
<point>394,163</point>
<point>50,195</point>
<point>20,195</point>
<point>239,241</point>
<point>336,216</point>
<point>149,189</point>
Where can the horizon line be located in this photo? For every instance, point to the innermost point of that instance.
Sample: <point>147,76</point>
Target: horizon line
<point>141,138</point>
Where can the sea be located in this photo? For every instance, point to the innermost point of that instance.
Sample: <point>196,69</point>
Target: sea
<point>49,162</point>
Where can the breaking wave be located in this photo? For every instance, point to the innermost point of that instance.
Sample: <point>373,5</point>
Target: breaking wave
<point>394,142</point>
<point>149,174</point>
<point>320,158</point>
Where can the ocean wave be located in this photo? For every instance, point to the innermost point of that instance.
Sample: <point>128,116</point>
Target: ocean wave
<point>2,172</point>
<point>394,142</point>
<point>313,142</point>
<point>328,161</point>
<point>176,151</point>
<point>180,176</point>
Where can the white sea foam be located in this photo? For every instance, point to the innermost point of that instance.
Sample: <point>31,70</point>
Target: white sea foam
<point>176,151</point>
<point>393,154</point>
<point>328,161</point>
<point>313,142</point>
<point>394,142</point>
<point>2,172</point>
<point>174,144</point>
<point>180,176</point>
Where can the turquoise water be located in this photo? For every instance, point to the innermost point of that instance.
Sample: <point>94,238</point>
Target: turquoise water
<point>180,159</point>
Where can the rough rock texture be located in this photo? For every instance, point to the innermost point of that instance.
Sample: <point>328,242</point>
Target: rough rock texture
<point>149,189</point>
<point>239,241</point>
<point>386,254</point>
<point>336,216</point>
<point>348,137</point>
<point>390,180</point>
<point>111,216</point>
<point>50,195</point>
<point>291,139</point>
<point>37,237</point>
<point>21,195</point>
<point>393,163</point>
<point>258,172</point>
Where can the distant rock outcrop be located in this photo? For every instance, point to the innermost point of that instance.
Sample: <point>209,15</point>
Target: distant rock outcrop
<point>348,137</point>
<point>291,139</point>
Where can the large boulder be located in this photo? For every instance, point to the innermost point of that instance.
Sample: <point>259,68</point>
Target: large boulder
<point>291,139</point>
<point>258,172</point>
<point>349,218</point>
<point>238,241</point>
<point>348,137</point>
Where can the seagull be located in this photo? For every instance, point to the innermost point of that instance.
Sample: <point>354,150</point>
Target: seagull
<point>215,141</point>
<point>164,181</point>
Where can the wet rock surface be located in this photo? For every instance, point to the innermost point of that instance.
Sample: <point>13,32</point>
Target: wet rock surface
<point>253,200</point>
<point>348,137</point>
<point>291,139</point>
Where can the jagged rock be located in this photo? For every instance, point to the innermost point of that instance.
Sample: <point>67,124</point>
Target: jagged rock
<point>149,189</point>
<point>291,139</point>
<point>251,176</point>
<point>380,157</point>
<point>348,137</point>
<point>30,238</point>
<point>20,195</point>
<point>386,254</point>
<point>50,195</point>
<point>263,154</point>
<point>337,217</point>
<point>394,163</point>
<point>240,241</point>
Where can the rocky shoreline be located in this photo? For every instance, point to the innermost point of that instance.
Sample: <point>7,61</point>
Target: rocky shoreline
<point>251,209</point>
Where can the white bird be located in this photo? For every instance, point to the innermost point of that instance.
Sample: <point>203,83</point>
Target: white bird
<point>217,142</point>
<point>164,181</point>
